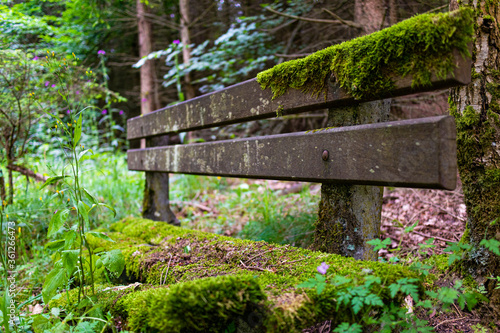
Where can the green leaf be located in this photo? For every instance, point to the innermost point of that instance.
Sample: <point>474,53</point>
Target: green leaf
<point>70,260</point>
<point>357,304</point>
<point>452,258</point>
<point>340,280</point>
<point>394,288</point>
<point>108,207</point>
<point>379,244</point>
<point>57,221</point>
<point>54,280</point>
<point>89,196</point>
<point>86,327</point>
<point>55,311</point>
<point>100,235</point>
<point>52,180</point>
<point>69,239</point>
<point>114,261</point>
<point>78,131</point>
<point>41,323</point>
<point>348,328</point>
<point>80,155</point>
<point>311,283</point>
<point>410,228</point>
<point>83,210</point>
<point>55,245</point>
<point>491,244</point>
<point>372,299</point>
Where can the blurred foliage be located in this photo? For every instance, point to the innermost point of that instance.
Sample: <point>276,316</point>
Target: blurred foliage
<point>238,54</point>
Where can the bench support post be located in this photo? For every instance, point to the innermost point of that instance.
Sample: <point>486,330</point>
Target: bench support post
<point>350,215</point>
<point>156,204</point>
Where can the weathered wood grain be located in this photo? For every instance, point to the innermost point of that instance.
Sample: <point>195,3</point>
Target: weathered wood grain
<point>247,101</point>
<point>410,153</point>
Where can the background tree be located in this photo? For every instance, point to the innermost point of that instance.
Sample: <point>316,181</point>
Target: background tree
<point>477,111</point>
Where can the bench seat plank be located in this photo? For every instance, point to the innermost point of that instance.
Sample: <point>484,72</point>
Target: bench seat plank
<point>247,101</point>
<point>409,153</point>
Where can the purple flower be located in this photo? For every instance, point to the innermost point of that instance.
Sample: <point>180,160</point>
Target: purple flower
<point>47,83</point>
<point>78,92</point>
<point>121,112</point>
<point>144,99</point>
<point>68,112</point>
<point>176,41</point>
<point>322,268</point>
<point>53,86</point>
<point>101,52</point>
<point>36,58</point>
<point>104,111</point>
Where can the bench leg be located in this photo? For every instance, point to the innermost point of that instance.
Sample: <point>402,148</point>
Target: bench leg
<point>350,215</point>
<point>156,205</point>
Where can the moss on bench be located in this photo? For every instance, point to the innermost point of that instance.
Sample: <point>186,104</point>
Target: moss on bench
<point>188,276</point>
<point>366,66</point>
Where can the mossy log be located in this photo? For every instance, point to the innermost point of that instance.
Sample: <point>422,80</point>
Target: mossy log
<point>192,281</point>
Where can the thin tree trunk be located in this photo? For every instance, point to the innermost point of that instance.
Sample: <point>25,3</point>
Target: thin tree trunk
<point>148,100</point>
<point>2,187</point>
<point>186,41</point>
<point>156,195</point>
<point>477,112</point>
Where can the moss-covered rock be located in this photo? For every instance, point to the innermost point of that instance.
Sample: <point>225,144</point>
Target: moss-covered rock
<point>366,66</point>
<point>192,281</point>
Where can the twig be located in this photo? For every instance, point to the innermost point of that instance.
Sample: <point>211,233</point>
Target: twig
<point>190,25</point>
<point>200,206</point>
<point>168,267</point>
<point>349,23</point>
<point>256,268</point>
<point>436,9</point>
<point>289,262</point>
<point>448,321</point>
<point>429,236</point>
<point>307,19</point>
<point>258,255</point>
<point>296,55</point>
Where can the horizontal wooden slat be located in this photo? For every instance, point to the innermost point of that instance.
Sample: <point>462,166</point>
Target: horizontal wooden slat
<point>247,101</point>
<point>410,153</point>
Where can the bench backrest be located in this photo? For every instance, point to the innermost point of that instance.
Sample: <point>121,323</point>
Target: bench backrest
<point>408,153</point>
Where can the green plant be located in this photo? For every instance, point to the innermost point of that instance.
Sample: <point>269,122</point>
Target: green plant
<point>75,261</point>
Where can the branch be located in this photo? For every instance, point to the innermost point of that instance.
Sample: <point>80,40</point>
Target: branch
<point>27,172</point>
<point>349,23</point>
<point>296,55</point>
<point>436,9</point>
<point>190,25</point>
<point>303,18</point>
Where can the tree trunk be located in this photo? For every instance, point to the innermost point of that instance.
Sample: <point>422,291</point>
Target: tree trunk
<point>156,195</point>
<point>374,15</point>
<point>148,99</point>
<point>186,41</point>
<point>477,112</point>
<point>350,215</point>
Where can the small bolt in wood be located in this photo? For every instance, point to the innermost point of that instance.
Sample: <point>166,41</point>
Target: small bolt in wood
<point>325,155</point>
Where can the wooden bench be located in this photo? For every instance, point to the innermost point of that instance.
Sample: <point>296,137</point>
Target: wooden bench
<point>351,162</point>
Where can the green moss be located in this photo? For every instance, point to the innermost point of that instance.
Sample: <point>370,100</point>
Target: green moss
<point>249,279</point>
<point>366,67</point>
